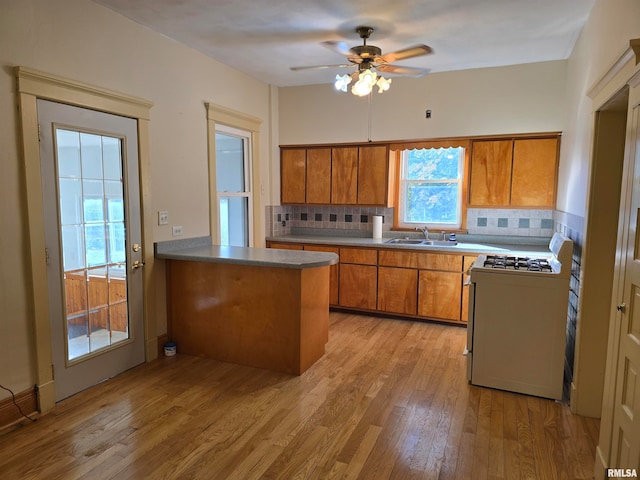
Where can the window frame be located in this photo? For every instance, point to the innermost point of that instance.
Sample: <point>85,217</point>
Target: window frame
<point>399,150</point>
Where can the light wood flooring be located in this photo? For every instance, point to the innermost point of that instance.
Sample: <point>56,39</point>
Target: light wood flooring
<point>388,400</point>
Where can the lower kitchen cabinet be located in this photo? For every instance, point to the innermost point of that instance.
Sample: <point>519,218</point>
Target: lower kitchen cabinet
<point>358,286</point>
<point>412,283</point>
<point>440,294</point>
<point>397,290</point>
<point>464,313</point>
<point>333,271</point>
<point>285,246</point>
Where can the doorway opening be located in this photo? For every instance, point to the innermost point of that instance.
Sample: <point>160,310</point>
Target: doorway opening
<point>599,253</point>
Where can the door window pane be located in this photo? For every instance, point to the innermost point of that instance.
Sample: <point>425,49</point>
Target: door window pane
<point>91,155</point>
<point>92,213</point>
<point>68,145</point>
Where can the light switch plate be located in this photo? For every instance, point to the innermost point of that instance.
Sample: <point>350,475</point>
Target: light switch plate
<point>163,218</point>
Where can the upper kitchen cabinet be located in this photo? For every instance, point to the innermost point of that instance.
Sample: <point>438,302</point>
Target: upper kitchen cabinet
<point>318,182</point>
<point>373,170</point>
<point>490,182</point>
<point>344,175</point>
<point>293,173</point>
<point>336,175</point>
<point>534,173</point>
<point>517,172</point>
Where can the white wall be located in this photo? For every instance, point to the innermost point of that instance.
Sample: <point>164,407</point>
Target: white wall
<point>514,99</point>
<point>85,42</point>
<point>606,36</point>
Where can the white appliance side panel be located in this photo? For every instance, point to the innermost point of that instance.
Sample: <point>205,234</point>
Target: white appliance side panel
<point>519,334</point>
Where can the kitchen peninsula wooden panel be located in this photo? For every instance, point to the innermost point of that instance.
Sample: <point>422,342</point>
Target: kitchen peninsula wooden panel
<point>265,317</point>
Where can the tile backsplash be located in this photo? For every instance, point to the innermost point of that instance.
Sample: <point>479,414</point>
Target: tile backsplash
<point>496,221</point>
<point>487,221</point>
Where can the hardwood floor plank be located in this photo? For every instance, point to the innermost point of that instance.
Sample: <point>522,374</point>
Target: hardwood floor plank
<point>389,399</point>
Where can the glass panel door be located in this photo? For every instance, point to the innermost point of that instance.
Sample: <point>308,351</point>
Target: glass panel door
<point>92,222</point>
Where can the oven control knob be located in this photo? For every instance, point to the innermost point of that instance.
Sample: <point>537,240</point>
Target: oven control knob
<point>621,307</point>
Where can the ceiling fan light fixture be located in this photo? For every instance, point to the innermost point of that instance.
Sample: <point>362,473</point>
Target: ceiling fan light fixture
<point>383,84</point>
<point>342,81</point>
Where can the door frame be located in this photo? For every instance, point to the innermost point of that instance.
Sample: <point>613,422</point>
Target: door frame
<point>624,72</point>
<point>31,85</point>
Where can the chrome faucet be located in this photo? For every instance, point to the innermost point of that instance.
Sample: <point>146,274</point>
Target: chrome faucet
<point>424,230</point>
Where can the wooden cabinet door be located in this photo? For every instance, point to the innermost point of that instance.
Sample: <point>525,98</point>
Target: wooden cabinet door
<point>318,181</point>
<point>358,285</point>
<point>397,290</point>
<point>490,183</point>
<point>333,271</point>
<point>439,295</point>
<point>292,175</point>
<point>344,175</point>
<point>372,175</point>
<point>535,167</point>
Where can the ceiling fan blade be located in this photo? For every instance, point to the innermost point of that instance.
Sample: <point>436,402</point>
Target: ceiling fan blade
<point>318,67</point>
<point>407,71</point>
<point>415,51</point>
<point>339,47</point>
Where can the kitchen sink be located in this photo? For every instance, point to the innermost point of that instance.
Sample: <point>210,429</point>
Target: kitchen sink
<point>407,241</point>
<point>418,241</point>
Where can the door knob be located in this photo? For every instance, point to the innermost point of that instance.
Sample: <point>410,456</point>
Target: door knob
<point>621,307</point>
<point>138,264</point>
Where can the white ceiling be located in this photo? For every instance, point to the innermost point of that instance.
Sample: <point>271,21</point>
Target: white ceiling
<point>263,38</point>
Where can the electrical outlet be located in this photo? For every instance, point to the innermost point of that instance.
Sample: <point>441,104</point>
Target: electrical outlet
<point>163,218</point>
<point>177,231</point>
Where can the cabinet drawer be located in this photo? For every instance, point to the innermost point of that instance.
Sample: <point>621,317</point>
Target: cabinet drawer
<point>395,258</point>
<point>440,261</point>
<point>359,255</point>
<point>468,261</point>
<point>285,246</point>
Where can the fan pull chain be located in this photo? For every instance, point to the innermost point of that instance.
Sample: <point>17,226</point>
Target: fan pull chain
<point>369,125</point>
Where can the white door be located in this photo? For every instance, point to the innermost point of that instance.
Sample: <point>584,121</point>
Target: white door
<point>625,451</point>
<point>91,199</point>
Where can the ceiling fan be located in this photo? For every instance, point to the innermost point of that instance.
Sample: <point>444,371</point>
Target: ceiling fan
<point>369,60</point>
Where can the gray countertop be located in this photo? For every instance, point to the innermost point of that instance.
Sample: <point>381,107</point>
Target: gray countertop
<point>472,245</point>
<point>200,251</point>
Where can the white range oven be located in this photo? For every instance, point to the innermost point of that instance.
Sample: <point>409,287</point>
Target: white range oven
<point>516,331</point>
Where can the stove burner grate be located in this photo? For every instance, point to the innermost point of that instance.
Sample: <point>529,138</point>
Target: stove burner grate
<point>517,263</point>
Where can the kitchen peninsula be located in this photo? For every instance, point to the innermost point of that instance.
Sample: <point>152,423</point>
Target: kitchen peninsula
<point>259,307</point>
